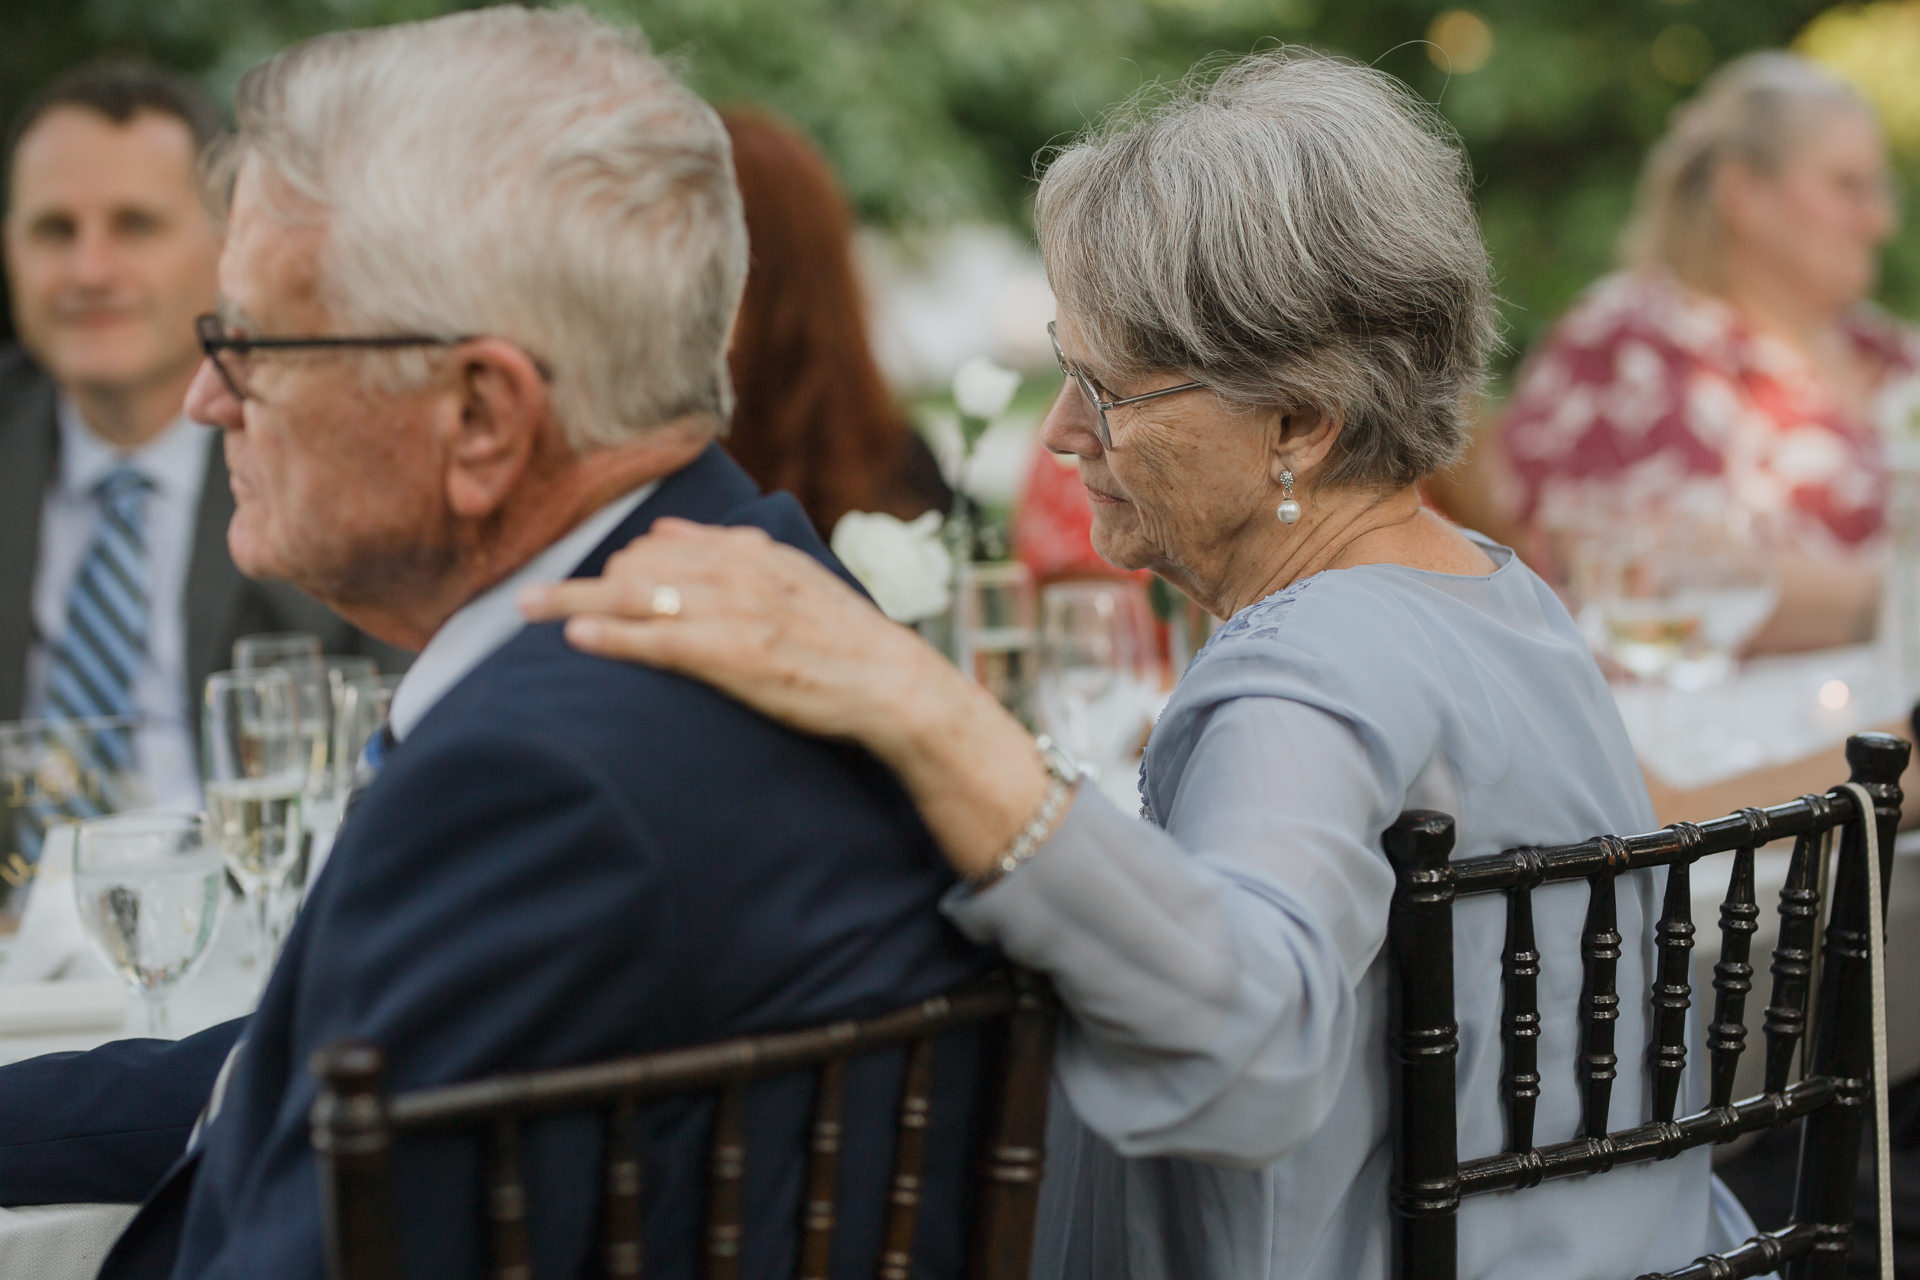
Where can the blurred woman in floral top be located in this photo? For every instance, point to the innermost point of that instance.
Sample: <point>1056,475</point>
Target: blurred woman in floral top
<point>1733,369</point>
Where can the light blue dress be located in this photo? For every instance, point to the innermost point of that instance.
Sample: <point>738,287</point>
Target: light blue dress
<point>1223,1062</point>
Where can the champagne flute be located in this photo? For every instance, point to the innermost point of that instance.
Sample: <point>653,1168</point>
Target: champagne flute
<point>149,888</point>
<point>315,679</point>
<point>256,761</point>
<point>1097,669</point>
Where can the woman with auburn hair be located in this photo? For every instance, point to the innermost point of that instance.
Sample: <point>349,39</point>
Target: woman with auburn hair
<point>813,416</point>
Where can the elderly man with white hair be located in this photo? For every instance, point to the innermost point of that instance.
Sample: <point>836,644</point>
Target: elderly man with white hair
<point>475,293</point>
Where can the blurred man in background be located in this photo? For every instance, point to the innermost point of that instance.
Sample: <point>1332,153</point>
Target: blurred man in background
<point>117,594</point>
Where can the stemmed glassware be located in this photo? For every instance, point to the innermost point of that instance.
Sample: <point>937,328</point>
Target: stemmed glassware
<point>1098,670</point>
<point>149,887</point>
<point>298,654</point>
<point>256,756</point>
<point>1671,599</point>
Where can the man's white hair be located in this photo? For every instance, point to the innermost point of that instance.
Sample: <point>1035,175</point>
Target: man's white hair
<point>534,175</point>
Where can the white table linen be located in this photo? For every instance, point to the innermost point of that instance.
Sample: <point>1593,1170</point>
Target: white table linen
<point>60,1241</point>
<point>1771,711</point>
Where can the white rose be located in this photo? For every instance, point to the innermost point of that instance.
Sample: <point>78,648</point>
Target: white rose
<point>983,388</point>
<point>903,565</point>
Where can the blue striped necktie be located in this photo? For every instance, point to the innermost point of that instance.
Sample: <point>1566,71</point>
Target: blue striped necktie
<point>105,645</point>
<point>95,661</point>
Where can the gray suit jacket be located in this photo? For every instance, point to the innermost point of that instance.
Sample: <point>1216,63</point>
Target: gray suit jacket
<point>221,605</point>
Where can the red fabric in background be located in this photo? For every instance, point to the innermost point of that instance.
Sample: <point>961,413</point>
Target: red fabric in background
<point>1053,525</point>
<point>1650,395</point>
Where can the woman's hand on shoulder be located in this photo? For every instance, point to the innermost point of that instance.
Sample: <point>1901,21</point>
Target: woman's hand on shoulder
<point>759,620</point>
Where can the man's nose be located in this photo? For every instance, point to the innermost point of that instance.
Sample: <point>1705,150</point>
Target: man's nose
<point>211,401</point>
<point>94,260</point>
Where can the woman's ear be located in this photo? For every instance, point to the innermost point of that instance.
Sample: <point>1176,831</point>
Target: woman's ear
<point>1302,441</point>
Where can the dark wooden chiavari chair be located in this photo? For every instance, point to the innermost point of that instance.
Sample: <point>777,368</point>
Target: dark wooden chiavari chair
<point>1831,1095</point>
<point>355,1127</point>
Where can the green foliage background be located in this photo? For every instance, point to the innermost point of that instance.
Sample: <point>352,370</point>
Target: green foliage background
<point>934,110</point>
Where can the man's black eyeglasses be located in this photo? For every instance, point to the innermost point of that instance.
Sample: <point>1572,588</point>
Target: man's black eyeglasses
<point>229,352</point>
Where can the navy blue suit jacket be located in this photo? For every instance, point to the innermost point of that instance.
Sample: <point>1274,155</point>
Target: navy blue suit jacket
<point>569,859</point>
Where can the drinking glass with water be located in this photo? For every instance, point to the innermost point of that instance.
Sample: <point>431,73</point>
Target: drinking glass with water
<point>149,887</point>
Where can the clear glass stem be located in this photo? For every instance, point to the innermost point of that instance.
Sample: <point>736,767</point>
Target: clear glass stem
<point>155,1000</point>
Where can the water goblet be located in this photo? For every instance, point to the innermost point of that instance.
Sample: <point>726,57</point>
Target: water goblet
<point>1098,670</point>
<point>149,888</point>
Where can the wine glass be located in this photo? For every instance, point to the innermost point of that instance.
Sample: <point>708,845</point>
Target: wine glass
<point>256,758</point>
<point>149,888</point>
<point>1673,598</point>
<point>1098,670</point>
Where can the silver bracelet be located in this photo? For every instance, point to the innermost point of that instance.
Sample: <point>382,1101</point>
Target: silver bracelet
<point>1064,777</point>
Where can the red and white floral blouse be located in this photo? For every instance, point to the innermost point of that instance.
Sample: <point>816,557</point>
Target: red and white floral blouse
<point>1650,395</point>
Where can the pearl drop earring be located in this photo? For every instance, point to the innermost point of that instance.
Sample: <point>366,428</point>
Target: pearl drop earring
<point>1288,511</point>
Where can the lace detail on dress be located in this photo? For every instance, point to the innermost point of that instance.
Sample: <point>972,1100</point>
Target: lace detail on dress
<point>1258,621</point>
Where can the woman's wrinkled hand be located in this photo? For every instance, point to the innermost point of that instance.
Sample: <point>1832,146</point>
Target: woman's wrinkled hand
<point>762,621</point>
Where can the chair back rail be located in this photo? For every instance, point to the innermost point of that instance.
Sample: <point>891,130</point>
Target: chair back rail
<point>1818,1007</point>
<point>355,1125</point>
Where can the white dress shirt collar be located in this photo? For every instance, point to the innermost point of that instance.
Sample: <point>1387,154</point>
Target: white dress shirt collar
<point>173,460</point>
<point>492,618</point>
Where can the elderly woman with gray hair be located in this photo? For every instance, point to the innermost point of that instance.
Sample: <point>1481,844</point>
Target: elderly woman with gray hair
<point>1273,303</point>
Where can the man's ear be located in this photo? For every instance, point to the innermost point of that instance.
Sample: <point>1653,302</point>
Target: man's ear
<point>1302,439</point>
<point>499,406</point>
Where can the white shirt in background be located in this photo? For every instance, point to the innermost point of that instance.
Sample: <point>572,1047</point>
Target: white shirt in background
<point>176,462</point>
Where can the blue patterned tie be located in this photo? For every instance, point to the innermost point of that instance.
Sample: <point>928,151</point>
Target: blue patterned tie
<point>98,657</point>
<point>367,768</point>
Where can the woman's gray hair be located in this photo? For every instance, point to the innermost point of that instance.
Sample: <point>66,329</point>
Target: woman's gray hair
<point>532,175</point>
<point>1296,233</point>
<point>1754,111</point>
